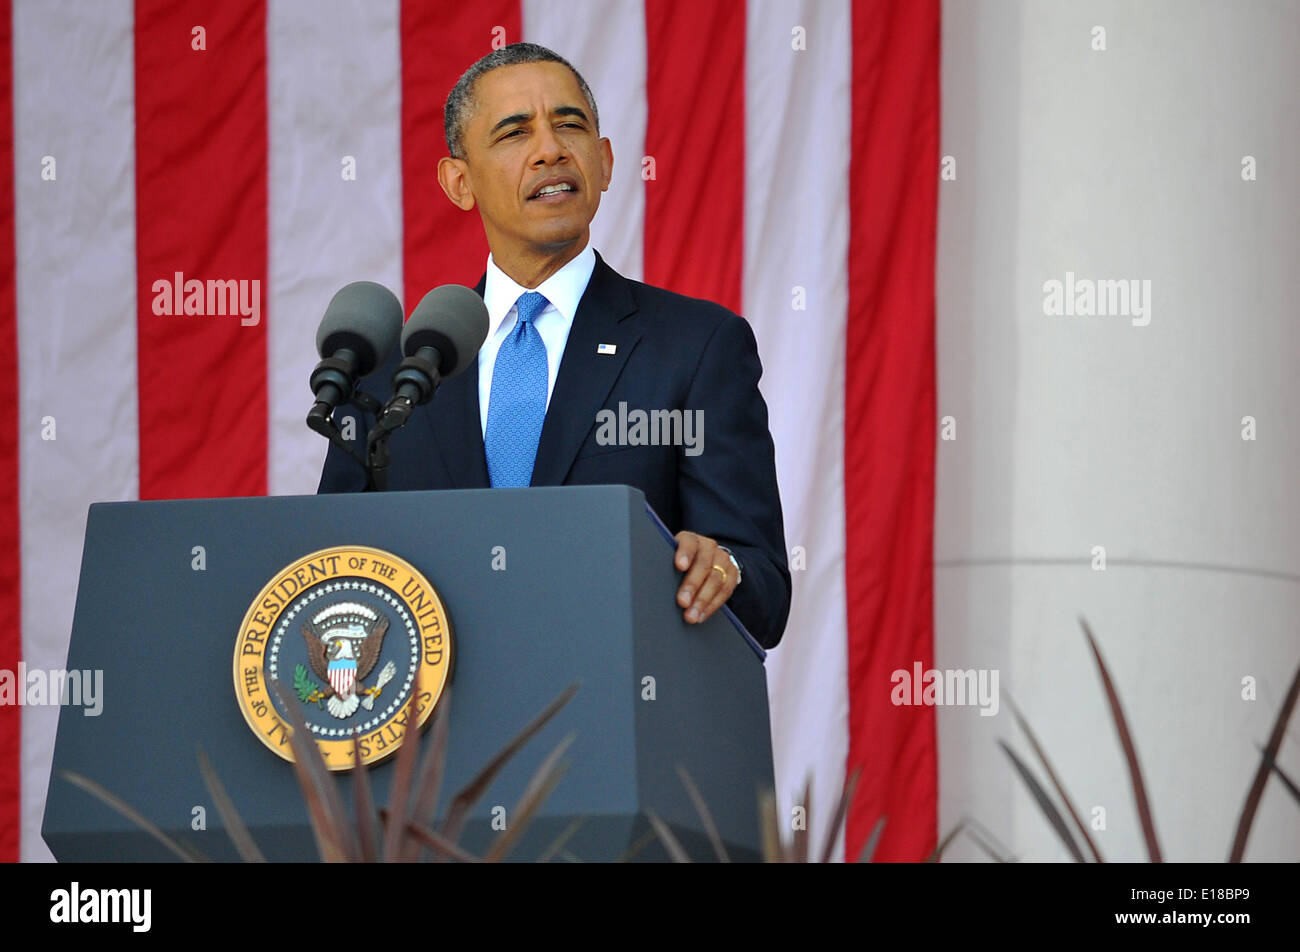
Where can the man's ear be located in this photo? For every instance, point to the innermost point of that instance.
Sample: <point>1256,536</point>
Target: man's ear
<point>453,176</point>
<point>606,163</point>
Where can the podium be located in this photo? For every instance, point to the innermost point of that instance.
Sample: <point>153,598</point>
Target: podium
<point>544,588</point>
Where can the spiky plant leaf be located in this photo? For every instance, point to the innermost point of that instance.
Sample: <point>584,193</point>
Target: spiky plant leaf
<point>182,850</point>
<point>981,838</point>
<point>1051,775</point>
<point>400,794</point>
<point>1261,773</point>
<point>667,838</point>
<point>873,840</point>
<point>470,793</point>
<point>1130,750</point>
<point>439,843</point>
<point>363,806</point>
<point>706,818</point>
<point>540,786</point>
<point>329,820</point>
<point>1287,782</point>
<point>841,811</point>
<point>770,828</point>
<point>937,854</point>
<point>245,845</point>
<point>1044,803</point>
<point>557,845</point>
<point>637,845</point>
<point>431,772</point>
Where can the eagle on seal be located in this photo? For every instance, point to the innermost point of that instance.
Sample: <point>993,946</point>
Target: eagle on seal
<point>343,645</point>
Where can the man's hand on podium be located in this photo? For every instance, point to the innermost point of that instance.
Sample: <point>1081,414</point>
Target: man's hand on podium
<point>711,575</point>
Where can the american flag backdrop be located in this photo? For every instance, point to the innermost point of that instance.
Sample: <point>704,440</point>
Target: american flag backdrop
<point>777,156</point>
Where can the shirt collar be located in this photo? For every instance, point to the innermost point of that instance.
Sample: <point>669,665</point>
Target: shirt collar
<point>564,289</point>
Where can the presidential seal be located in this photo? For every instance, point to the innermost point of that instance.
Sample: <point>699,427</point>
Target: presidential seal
<point>360,640</point>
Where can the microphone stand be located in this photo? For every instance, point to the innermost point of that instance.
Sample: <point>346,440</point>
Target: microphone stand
<point>320,420</point>
<point>414,383</point>
<point>377,454</point>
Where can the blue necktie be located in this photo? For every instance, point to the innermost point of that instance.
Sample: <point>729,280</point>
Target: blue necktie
<point>517,404</point>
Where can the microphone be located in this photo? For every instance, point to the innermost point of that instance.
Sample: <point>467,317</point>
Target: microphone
<point>440,340</point>
<point>358,332</point>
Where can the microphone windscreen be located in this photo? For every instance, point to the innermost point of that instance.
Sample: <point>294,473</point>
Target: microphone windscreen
<point>364,317</point>
<point>451,318</point>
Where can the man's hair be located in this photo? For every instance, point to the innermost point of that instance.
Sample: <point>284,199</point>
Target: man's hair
<point>460,101</point>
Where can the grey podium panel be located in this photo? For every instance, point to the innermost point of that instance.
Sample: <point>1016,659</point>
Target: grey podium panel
<point>586,597</point>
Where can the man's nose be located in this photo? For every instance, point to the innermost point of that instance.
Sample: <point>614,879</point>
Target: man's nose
<point>549,148</point>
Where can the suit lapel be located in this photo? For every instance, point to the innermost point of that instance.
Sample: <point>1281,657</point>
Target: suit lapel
<point>586,377</point>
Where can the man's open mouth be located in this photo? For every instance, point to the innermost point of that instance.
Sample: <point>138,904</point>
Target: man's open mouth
<point>553,191</point>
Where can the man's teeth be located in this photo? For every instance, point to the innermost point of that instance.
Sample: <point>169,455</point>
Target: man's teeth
<point>552,189</point>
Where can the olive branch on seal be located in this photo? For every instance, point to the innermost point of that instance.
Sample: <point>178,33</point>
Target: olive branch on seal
<point>308,691</point>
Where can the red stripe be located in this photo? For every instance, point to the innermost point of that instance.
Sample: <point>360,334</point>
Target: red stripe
<point>201,210</point>
<point>10,571</point>
<point>890,420</point>
<point>695,133</point>
<point>440,40</point>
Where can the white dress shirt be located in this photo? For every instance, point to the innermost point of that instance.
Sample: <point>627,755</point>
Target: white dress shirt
<point>563,290</point>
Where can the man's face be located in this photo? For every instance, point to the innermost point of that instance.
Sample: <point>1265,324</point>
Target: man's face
<point>531,126</point>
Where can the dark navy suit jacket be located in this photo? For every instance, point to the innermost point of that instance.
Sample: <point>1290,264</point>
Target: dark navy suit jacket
<point>672,352</point>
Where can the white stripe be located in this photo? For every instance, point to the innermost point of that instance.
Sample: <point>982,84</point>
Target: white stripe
<point>796,235</point>
<point>606,44</point>
<point>334,90</point>
<point>74,100</point>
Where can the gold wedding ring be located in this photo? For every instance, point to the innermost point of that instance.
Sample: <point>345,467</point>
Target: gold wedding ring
<point>720,569</point>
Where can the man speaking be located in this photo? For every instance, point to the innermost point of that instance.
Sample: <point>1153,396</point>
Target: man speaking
<point>572,346</point>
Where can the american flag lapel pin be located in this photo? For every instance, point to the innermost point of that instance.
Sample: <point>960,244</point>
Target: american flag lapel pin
<point>607,349</point>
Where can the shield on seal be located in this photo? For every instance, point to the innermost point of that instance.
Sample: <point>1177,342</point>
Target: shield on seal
<point>343,676</point>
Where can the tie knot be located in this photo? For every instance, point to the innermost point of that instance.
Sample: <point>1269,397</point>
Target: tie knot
<point>530,304</point>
